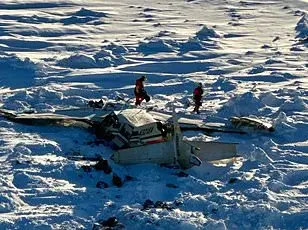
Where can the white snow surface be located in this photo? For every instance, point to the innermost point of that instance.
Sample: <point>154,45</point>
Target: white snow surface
<point>252,59</point>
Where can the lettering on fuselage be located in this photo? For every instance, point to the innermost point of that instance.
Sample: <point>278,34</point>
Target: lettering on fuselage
<point>146,131</point>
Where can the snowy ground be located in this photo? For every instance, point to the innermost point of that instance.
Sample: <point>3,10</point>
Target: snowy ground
<point>252,58</point>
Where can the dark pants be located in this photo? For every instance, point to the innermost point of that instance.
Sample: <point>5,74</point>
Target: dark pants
<point>141,96</point>
<point>198,103</point>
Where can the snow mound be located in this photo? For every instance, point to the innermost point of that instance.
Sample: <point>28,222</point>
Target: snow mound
<point>163,218</point>
<point>154,46</point>
<point>223,84</point>
<point>103,58</point>
<point>260,155</point>
<point>17,73</point>
<point>206,33</point>
<point>297,104</point>
<point>270,99</point>
<point>201,41</point>
<point>195,44</point>
<point>106,58</point>
<point>34,19</point>
<point>242,105</point>
<point>192,44</point>
<point>271,61</point>
<point>285,75</point>
<point>91,13</point>
<point>302,27</point>
<point>49,93</point>
<point>17,102</point>
<point>12,62</point>
<point>84,16</point>
<point>75,100</point>
<point>6,204</point>
<point>283,124</point>
<point>78,61</point>
<point>116,49</point>
<point>76,20</point>
<point>37,99</point>
<point>257,69</point>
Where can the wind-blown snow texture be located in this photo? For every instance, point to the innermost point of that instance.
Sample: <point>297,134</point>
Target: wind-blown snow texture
<point>251,57</point>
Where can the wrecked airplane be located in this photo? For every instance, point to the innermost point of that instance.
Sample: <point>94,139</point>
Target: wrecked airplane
<point>138,135</point>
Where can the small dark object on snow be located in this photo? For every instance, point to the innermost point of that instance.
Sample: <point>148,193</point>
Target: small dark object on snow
<point>109,224</point>
<point>214,210</point>
<point>86,168</point>
<point>96,104</point>
<point>162,205</point>
<point>233,180</point>
<point>148,204</point>
<point>182,174</point>
<point>129,178</point>
<point>101,184</point>
<point>159,204</point>
<point>102,164</point>
<point>116,180</point>
<point>178,202</point>
<point>171,185</point>
<point>275,39</point>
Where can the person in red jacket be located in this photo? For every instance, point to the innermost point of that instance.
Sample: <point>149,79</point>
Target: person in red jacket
<point>197,96</point>
<point>140,92</point>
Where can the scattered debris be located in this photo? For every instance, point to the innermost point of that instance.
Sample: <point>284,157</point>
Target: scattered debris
<point>182,174</point>
<point>162,205</point>
<point>178,202</point>
<point>171,185</point>
<point>233,180</point>
<point>149,204</point>
<point>102,164</point>
<point>116,180</point>
<point>110,224</point>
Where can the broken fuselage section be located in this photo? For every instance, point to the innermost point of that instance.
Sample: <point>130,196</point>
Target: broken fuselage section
<point>139,138</point>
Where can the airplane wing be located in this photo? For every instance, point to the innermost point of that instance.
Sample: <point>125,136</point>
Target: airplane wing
<point>46,119</point>
<point>195,124</point>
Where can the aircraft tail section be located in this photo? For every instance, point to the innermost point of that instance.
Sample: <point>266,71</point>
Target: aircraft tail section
<point>213,151</point>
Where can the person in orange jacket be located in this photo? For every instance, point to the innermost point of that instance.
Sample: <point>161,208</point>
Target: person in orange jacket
<point>197,96</point>
<point>140,92</point>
